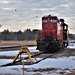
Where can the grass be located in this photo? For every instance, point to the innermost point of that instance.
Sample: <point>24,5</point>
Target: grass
<point>14,43</point>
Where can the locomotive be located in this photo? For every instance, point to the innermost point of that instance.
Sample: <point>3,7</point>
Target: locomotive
<point>54,36</point>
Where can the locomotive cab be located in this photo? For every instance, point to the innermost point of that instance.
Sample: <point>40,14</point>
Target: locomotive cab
<point>64,33</point>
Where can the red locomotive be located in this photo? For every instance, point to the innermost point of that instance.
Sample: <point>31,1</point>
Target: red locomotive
<point>54,36</point>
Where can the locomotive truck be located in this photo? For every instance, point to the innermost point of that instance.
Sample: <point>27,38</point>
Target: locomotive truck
<point>54,36</point>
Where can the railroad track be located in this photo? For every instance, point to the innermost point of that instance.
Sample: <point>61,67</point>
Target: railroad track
<point>18,61</point>
<point>37,55</point>
<point>7,48</point>
<point>41,55</point>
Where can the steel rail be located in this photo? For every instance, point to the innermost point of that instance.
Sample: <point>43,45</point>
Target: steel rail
<point>7,48</point>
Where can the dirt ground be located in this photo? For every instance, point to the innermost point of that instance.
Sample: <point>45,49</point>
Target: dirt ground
<point>15,43</point>
<point>65,52</point>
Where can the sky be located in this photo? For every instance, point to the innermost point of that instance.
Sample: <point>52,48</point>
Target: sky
<point>26,14</point>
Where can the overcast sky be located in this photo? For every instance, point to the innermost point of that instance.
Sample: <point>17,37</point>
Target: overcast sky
<point>22,14</point>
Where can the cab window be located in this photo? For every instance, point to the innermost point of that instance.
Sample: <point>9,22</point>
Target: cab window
<point>44,21</point>
<point>53,20</point>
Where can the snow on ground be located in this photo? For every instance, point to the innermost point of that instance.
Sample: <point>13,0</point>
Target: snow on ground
<point>49,66</point>
<point>9,53</point>
<point>62,63</point>
<point>14,53</point>
<point>71,46</point>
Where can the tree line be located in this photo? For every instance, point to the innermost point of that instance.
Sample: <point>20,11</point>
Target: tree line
<point>27,34</point>
<point>19,35</point>
<point>72,36</point>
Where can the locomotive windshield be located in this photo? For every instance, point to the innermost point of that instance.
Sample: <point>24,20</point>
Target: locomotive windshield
<point>49,20</point>
<point>53,20</point>
<point>44,21</point>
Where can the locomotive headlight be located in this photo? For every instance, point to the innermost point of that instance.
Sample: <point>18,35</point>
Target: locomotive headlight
<point>54,39</point>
